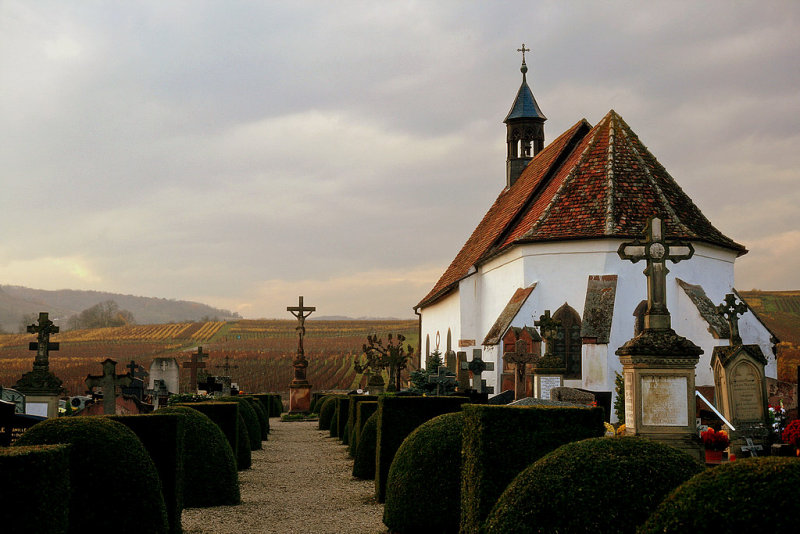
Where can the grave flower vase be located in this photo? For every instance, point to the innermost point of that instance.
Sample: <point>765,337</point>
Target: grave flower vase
<point>713,457</point>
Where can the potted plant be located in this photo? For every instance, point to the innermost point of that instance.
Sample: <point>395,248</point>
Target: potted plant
<point>714,442</point>
<point>791,435</point>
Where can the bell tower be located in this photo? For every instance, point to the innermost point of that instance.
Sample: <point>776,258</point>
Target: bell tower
<point>524,128</point>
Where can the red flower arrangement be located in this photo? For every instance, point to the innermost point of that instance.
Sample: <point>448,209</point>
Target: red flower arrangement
<point>715,441</point>
<point>791,434</point>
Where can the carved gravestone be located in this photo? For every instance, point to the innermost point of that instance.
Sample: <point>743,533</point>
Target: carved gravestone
<point>444,379</point>
<point>740,384</point>
<point>462,371</point>
<point>521,355</point>
<point>165,369</point>
<point>41,387</point>
<point>108,381</point>
<point>477,366</point>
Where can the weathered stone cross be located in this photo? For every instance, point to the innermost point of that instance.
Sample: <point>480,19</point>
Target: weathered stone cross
<point>227,367</point>
<point>548,328</point>
<point>520,358</point>
<point>193,365</point>
<point>478,366</point>
<point>442,379</point>
<point>42,345</point>
<point>731,310</point>
<point>656,250</point>
<point>109,381</point>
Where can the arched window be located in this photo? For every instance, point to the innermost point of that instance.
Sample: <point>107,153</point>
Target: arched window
<point>568,340</point>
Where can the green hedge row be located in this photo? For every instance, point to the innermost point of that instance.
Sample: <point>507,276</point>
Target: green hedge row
<point>244,455</point>
<point>162,435</point>
<point>397,418</point>
<point>209,474</point>
<point>500,441</point>
<point>316,401</point>
<point>248,413</point>
<point>364,463</point>
<point>114,486</point>
<point>342,406</point>
<point>364,410</point>
<point>350,424</point>
<point>326,413</point>
<point>224,414</point>
<point>35,482</point>
<point>261,414</point>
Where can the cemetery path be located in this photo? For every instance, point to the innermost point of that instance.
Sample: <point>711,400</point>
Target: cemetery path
<point>300,482</point>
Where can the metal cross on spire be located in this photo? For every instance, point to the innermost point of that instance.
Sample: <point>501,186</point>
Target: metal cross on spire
<point>656,250</point>
<point>731,310</point>
<point>523,50</point>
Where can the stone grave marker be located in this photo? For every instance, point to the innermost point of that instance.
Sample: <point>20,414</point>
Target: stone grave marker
<point>520,357</point>
<point>41,387</point>
<point>462,371</point>
<point>477,366</point>
<point>444,379</point>
<point>165,369</point>
<point>108,381</point>
<point>193,365</point>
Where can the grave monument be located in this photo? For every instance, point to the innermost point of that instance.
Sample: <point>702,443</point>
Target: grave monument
<point>193,365</point>
<point>522,355</point>
<point>550,369</point>
<point>165,369</point>
<point>226,377</point>
<point>659,365</point>
<point>299,388</point>
<point>740,384</point>
<point>108,381</point>
<point>41,387</point>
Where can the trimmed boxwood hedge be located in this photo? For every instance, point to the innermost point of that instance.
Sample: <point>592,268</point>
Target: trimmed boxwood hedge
<point>244,455</point>
<point>35,482</point>
<point>109,471</point>
<point>277,405</point>
<point>261,414</point>
<point>209,475</point>
<point>252,425</point>
<point>424,483</point>
<point>266,403</point>
<point>326,413</point>
<point>342,407</point>
<point>605,485</point>
<point>364,464</point>
<point>334,429</point>
<point>397,418</point>
<point>350,424</point>
<point>500,441</point>
<point>754,494</point>
<point>364,411</point>
<point>316,401</point>
<point>162,434</point>
<point>224,414</point>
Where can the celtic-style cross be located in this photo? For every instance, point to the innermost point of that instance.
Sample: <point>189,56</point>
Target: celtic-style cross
<point>443,379</point>
<point>520,358</point>
<point>193,365</point>
<point>656,250</point>
<point>548,328</point>
<point>523,50</point>
<point>42,345</point>
<point>301,312</point>
<point>731,310</point>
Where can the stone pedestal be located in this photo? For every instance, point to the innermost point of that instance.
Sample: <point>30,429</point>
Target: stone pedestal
<point>299,398</point>
<point>42,390</point>
<point>659,370</point>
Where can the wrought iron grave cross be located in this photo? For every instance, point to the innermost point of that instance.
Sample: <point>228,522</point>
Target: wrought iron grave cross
<point>656,250</point>
<point>226,368</point>
<point>443,378</point>
<point>731,310</point>
<point>42,345</point>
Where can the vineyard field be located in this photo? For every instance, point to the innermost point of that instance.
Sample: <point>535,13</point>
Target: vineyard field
<point>260,351</point>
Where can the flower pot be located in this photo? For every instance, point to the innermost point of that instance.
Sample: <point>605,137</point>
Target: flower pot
<point>713,457</point>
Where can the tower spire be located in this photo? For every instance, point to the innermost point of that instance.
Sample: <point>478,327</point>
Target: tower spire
<point>524,127</point>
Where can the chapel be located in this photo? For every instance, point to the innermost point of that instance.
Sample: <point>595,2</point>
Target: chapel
<point>550,242</point>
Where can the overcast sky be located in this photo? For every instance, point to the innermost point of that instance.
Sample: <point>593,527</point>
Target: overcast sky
<point>243,153</point>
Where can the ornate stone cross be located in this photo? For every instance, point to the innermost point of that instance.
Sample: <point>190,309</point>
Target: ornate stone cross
<point>478,366</point>
<point>300,363</point>
<point>520,358</point>
<point>656,250</point>
<point>42,345</point>
<point>109,381</point>
<point>226,368</point>
<point>193,365</point>
<point>136,370</point>
<point>731,310</point>
<point>548,329</point>
<point>462,370</point>
<point>442,379</point>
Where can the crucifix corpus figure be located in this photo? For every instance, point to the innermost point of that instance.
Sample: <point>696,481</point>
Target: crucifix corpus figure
<point>656,250</point>
<point>301,312</point>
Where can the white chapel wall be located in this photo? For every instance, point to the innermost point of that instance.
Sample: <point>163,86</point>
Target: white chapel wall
<point>439,317</point>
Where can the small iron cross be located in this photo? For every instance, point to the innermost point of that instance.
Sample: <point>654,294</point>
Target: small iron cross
<point>227,367</point>
<point>42,345</point>
<point>656,250</point>
<point>523,50</point>
<point>731,310</point>
<point>548,328</point>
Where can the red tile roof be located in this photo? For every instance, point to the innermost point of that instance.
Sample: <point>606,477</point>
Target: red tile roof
<point>589,183</point>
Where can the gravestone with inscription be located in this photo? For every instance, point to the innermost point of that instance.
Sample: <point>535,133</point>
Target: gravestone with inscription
<point>165,369</point>
<point>740,384</point>
<point>40,386</point>
<point>550,369</point>
<point>659,365</point>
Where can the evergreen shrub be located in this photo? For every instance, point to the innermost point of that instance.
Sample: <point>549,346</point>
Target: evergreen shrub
<point>424,483</point>
<point>261,414</point>
<point>224,414</point>
<point>342,409</point>
<point>252,425</point>
<point>500,441</point>
<point>244,454</point>
<point>162,435</point>
<point>364,411</point>
<point>35,482</point>
<point>326,412</point>
<point>333,431</point>
<point>364,463</point>
<point>266,403</point>
<point>277,405</point>
<point>109,471</point>
<point>397,418</point>
<point>754,494</point>
<point>209,467</point>
<point>352,406</point>
<point>604,485</point>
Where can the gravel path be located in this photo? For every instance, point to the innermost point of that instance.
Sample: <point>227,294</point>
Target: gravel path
<point>300,482</point>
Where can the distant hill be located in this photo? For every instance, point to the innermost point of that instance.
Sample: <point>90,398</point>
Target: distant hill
<point>16,302</point>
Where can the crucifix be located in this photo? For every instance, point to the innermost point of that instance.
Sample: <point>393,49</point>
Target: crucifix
<point>193,365</point>
<point>731,310</point>
<point>226,368</point>
<point>656,250</point>
<point>523,50</point>
<point>42,345</point>
<point>300,363</point>
<point>548,328</point>
<point>109,381</point>
<point>520,357</point>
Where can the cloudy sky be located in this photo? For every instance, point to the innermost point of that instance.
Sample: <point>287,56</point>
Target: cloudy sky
<point>243,153</point>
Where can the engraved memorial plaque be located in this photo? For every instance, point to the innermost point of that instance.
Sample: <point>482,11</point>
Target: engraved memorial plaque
<point>746,393</point>
<point>664,400</point>
<point>546,383</point>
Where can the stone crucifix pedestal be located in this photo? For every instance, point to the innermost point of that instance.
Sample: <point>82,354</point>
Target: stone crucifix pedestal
<point>659,365</point>
<point>41,387</point>
<point>299,388</point>
<point>109,381</point>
